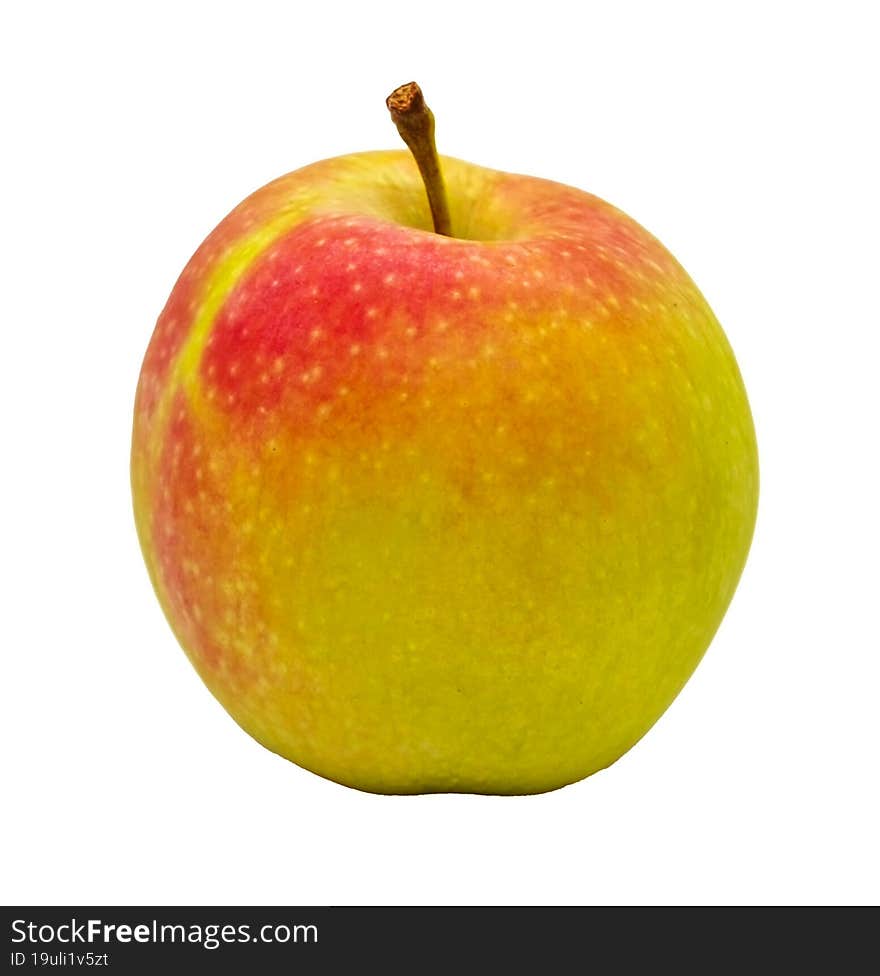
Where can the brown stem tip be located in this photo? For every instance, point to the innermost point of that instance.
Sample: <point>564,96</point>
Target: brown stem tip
<point>408,98</point>
<point>415,123</point>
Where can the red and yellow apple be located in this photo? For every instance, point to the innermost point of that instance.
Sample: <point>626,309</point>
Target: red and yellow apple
<point>436,513</point>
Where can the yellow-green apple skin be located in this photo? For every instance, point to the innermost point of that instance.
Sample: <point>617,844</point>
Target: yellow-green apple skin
<point>441,514</point>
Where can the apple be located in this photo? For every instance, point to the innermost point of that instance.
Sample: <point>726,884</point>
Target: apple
<point>449,504</point>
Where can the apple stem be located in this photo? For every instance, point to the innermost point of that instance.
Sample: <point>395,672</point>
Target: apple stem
<point>415,123</point>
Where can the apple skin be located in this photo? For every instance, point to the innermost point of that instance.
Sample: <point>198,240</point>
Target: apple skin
<point>440,514</point>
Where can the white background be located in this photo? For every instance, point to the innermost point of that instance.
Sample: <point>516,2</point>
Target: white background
<point>745,138</point>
